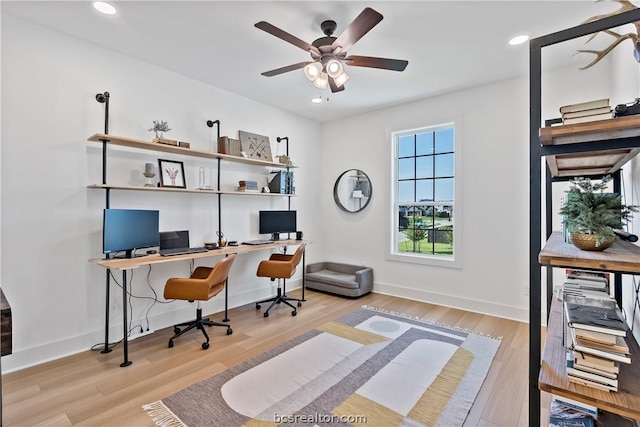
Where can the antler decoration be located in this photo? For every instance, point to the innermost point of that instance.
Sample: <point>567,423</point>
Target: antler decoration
<point>625,6</point>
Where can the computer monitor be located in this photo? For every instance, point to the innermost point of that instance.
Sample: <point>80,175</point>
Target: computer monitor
<point>125,230</point>
<point>272,222</point>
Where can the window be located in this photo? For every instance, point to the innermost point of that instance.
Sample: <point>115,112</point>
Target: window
<point>424,206</point>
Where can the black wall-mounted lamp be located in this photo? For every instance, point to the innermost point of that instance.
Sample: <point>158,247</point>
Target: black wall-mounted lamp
<point>280,139</point>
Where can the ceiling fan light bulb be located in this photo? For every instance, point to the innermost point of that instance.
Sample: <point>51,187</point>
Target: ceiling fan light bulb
<point>322,81</point>
<point>312,71</point>
<point>342,79</point>
<point>334,68</point>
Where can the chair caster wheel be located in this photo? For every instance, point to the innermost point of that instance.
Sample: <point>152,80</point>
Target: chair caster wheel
<point>205,345</point>
<point>299,304</point>
<point>229,331</point>
<point>176,330</point>
<point>170,345</point>
<point>257,306</point>
<point>293,313</point>
<point>266,314</point>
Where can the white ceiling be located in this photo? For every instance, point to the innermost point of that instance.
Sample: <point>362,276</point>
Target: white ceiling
<point>450,45</point>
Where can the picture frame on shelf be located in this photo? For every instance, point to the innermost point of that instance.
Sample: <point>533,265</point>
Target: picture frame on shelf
<point>255,146</point>
<point>171,173</point>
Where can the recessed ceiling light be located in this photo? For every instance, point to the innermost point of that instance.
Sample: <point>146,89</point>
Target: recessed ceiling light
<point>316,100</point>
<point>518,40</point>
<point>104,7</point>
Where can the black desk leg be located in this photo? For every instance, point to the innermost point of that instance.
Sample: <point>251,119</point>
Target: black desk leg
<point>303,269</point>
<point>106,348</point>
<point>226,300</point>
<point>125,338</point>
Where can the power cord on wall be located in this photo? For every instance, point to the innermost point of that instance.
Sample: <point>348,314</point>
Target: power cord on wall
<point>155,300</point>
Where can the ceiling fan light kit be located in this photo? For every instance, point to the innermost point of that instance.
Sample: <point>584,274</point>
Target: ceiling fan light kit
<point>329,54</point>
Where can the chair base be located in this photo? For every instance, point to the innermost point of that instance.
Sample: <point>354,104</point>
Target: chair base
<point>279,298</point>
<point>198,323</point>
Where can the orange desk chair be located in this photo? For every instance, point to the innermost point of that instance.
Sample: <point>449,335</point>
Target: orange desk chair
<point>280,266</point>
<point>204,284</point>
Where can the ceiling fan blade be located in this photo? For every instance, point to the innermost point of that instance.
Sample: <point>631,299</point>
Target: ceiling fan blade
<point>281,34</point>
<point>286,69</point>
<point>360,26</point>
<point>334,87</point>
<point>373,62</point>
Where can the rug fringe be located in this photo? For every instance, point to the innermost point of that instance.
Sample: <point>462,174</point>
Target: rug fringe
<point>162,416</point>
<point>429,322</point>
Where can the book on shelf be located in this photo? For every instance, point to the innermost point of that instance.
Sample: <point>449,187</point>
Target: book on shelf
<point>586,292</point>
<point>587,105</point>
<point>590,112</point>
<point>561,415</point>
<point>247,190</point>
<point>597,337</point>
<point>599,276</point>
<point>587,375</point>
<point>579,346</point>
<point>594,314</point>
<point>573,406</point>
<point>585,119</point>
<point>595,362</point>
<point>248,183</point>
<point>589,383</point>
<point>619,346</point>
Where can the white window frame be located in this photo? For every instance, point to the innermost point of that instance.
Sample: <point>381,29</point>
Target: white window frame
<point>454,261</point>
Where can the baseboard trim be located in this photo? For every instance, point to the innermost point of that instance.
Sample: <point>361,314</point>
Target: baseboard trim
<point>475,306</point>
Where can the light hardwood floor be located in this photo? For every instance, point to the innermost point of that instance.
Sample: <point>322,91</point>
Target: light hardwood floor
<point>91,389</point>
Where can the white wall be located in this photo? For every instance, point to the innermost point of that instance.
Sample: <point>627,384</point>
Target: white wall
<point>51,222</point>
<point>494,205</point>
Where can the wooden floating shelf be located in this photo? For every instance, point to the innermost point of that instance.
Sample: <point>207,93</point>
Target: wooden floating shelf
<point>164,148</point>
<point>592,162</point>
<point>622,256</point>
<point>181,190</point>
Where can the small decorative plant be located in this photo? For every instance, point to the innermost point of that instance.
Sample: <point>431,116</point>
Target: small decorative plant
<point>160,126</point>
<point>591,210</point>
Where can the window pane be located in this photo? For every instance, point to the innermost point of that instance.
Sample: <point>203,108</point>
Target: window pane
<point>424,190</point>
<point>406,168</point>
<point>444,141</point>
<point>424,143</point>
<point>444,165</point>
<point>406,147</point>
<point>406,191</point>
<point>444,189</point>
<point>424,167</point>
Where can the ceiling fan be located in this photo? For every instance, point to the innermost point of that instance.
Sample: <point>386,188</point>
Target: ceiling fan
<point>329,53</point>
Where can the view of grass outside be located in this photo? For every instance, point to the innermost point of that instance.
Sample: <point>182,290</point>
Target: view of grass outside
<point>432,234</point>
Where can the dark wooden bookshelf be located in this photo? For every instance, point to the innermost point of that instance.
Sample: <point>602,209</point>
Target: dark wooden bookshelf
<point>553,373</point>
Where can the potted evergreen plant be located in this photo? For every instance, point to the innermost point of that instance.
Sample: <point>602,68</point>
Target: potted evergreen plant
<point>592,214</point>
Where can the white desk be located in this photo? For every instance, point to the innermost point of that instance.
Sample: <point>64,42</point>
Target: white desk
<point>125,264</point>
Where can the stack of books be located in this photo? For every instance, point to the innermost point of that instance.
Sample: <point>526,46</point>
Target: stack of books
<point>595,333</point>
<point>248,186</point>
<point>589,111</point>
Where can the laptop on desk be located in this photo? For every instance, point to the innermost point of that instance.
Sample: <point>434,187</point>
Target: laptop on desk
<point>177,243</point>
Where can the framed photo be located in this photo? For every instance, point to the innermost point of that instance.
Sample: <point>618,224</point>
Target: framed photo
<point>256,146</point>
<point>171,174</point>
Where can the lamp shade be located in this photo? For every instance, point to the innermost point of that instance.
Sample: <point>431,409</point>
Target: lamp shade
<point>341,79</point>
<point>322,81</point>
<point>334,68</point>
<point>312,71</point>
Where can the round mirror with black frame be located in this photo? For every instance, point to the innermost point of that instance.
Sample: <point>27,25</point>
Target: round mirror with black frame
<point>352,190</point>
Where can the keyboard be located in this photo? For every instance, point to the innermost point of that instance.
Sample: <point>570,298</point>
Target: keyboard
<point>257,242</point>
<point>182,251</point>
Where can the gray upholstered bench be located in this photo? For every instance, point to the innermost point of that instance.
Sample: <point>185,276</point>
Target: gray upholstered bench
<point>342,279</point>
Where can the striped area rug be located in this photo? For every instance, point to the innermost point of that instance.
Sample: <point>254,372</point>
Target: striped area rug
<point>369,367</point>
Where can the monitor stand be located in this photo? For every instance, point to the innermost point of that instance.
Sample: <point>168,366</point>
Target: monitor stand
<point>129,254</point>
<point>275,236</point>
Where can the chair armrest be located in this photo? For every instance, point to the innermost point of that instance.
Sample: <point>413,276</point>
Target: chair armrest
<point>313,268</point>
